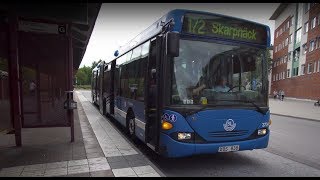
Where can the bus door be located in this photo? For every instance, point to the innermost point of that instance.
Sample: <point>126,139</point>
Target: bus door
<point>152,95</point>
<point>101,89</point>
<point>94,87</point>
<point>111,87</point>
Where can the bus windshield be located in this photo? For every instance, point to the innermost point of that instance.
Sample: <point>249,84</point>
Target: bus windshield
<point>211,73</point>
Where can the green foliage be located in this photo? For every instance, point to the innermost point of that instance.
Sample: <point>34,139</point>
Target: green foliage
<point>83,75</point>
<point>94,64</point>
<point>269,60</point>
<point>83,86</point>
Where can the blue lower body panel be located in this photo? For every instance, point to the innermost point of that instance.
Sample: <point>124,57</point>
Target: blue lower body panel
<point>180,149</point>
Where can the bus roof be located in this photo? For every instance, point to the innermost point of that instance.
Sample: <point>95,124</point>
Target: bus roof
<point>176,15</point>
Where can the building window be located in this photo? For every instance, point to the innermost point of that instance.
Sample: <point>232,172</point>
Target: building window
<point>302,69</point>
<point>288,73</point>
<point>291,21</point>
<point>298,35</point>
<point>317,42</point>
<point>280,31</point>
<point>286,42</point>
<point>285,58</point>
<point>318,19</point>
<point>311,46</point>
<point>276,49</point>
<point>296,54</point>
<point>280,60</point>
<point>315,66</point>
<point>277,76</point>
<point>273,78</point>
<point>305,48</point>
<point>277,34</point>
<point>313,22</point>
<point>293,71</point>
<point>306,7</point>
<point>283,44</point>
<point>284,74</point>
<point>289,56</point>
<point>319,66</point>
<point>306,27</point>
<point>309,68</point>
<point>288,24</point>
<point>290,38</point>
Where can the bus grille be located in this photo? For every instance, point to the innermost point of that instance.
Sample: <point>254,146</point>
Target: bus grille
<point>228,133</point>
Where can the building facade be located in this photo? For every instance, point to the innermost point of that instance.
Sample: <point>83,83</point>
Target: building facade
<point>296,52</point>
<point>270,72</point>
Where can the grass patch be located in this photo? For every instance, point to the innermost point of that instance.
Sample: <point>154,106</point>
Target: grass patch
<point>82,86</point>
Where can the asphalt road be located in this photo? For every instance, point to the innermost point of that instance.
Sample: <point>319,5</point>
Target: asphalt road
<point>293,150</point>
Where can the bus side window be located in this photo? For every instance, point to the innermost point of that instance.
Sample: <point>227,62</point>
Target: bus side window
<point>152,72</point>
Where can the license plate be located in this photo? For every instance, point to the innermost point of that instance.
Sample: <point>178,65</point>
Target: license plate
<point>228,148</point>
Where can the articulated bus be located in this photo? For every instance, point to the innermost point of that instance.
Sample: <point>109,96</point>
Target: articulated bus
<point>191,83</point>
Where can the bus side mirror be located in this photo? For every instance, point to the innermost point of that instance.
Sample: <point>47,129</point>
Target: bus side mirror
<point>173,44</point>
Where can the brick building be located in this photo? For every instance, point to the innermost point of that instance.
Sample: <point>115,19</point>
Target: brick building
<point>296,52</point>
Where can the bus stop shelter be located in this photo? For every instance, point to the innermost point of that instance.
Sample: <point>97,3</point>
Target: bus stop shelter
<point>41,47</point>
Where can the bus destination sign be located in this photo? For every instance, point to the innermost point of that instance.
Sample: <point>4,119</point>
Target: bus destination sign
<point>224,27</point>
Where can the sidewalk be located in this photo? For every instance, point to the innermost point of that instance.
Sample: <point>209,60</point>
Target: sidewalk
<point>295,108</point>
<point>98,151</point>
<point>124,159</point>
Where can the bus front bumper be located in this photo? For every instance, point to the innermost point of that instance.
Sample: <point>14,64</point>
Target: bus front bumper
<point>173,148</point>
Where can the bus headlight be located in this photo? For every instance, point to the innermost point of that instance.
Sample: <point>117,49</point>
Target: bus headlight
<point>262,132</point>
<point>166,125</point>
<point>183,136</point>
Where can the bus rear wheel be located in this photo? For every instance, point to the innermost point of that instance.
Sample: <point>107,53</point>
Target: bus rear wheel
<point>131,128</point>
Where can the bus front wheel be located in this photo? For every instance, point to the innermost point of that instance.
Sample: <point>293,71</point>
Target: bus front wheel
<point>131,128</point>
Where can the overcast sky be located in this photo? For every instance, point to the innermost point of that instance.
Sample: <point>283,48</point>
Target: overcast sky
<point>119,23</point>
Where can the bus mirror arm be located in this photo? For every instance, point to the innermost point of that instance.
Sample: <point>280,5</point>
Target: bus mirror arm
<point>173,44</point>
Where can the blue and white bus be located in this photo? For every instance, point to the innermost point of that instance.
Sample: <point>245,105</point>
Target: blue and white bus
<point>192,83</point>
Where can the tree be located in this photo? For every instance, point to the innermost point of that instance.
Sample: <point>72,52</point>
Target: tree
<point>94,64</point>
<point>84,73</point>
<point>269,59</point>
<point>81,77</point>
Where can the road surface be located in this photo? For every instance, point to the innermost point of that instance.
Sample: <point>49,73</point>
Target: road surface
<point>293,150</point>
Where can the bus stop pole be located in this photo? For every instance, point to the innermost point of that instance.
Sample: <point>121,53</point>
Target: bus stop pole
<point>70,81</point>
<point>14,74</point>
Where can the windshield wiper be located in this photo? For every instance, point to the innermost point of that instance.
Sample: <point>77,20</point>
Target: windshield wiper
<point>255,105</point>
<point>248,101</point>
<point>195,111</point>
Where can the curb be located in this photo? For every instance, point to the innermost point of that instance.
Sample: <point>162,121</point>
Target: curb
<point>309,119</point>
<point>127,140</point>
